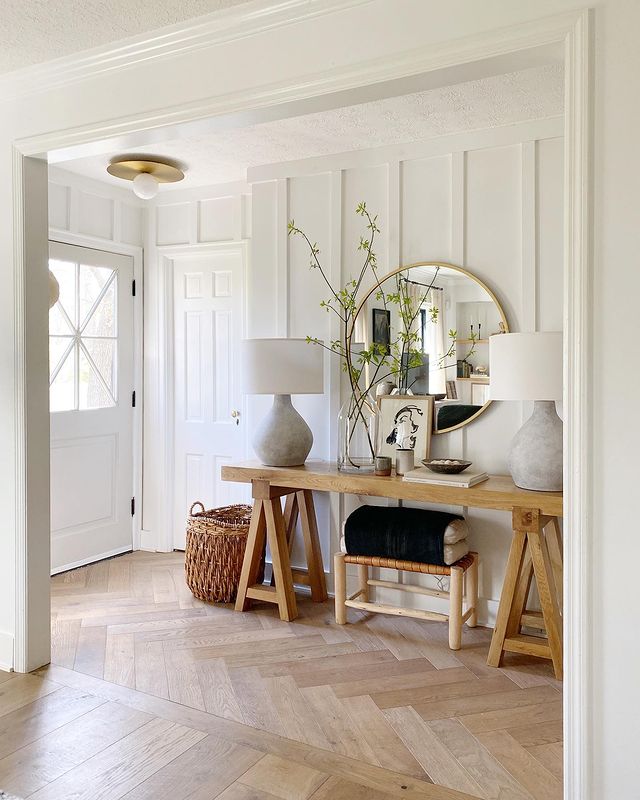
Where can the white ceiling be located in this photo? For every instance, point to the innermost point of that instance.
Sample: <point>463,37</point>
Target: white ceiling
<point>33,31</point>
<point>224,156</point>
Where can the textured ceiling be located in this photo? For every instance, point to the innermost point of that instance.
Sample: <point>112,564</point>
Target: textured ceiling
<point>33,31</point>
<point>224,156</point>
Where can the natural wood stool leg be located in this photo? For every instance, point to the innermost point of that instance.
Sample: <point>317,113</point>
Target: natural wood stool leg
<point>548,597</point>
<point>455,608</point>
<point>512,575</point>
<point>277,537</point>
<point>340,579</point>
<point>315,566</point>
<point>471,586</point>
<point>253,554</point>
<point>363,586</point>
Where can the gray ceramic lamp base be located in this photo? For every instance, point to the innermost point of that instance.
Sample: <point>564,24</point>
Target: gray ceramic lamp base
<point>535,459</point>
<point>283,438</point>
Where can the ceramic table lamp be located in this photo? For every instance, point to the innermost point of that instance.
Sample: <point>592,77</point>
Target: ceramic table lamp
<point>528,366</point>
<point>282,367</point>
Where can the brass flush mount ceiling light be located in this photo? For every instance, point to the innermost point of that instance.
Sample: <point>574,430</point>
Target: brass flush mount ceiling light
<point>146,172</point>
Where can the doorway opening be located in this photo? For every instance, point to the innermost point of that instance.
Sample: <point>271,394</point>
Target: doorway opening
<point>579,498</point>
<point>443,194</point>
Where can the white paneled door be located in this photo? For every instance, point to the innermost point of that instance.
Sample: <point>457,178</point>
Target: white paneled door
<point>209,428</point>
<point>91,383</point>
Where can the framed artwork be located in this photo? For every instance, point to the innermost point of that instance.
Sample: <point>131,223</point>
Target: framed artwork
<point>406,422</point>
<point>452,390</point>
<point>382,328</point>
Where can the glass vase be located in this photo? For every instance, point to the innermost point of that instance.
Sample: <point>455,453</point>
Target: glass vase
<point>358,423</point>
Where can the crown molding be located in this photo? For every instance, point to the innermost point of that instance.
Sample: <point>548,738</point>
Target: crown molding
<point>216,28</point>
<point>501,45</point>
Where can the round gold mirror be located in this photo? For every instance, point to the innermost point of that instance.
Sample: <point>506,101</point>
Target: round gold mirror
<point>432,322</point>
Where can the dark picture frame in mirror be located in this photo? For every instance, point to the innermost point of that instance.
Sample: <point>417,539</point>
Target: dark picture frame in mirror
<point>381,326</point>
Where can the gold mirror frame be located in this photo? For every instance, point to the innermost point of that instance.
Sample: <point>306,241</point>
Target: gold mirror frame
<point>444,265</point>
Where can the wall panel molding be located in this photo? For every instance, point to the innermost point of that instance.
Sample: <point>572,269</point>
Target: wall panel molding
<point>394,212</point>
<point>529,237</point>
<point>282,257</point>
<point>458,206</point>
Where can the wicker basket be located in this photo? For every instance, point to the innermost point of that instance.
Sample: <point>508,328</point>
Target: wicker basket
<point>216,542</point>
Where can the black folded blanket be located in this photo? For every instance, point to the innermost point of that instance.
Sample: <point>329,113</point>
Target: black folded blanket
<point>408,534</point>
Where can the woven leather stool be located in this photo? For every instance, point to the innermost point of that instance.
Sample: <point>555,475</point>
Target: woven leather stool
<point>463,577</point>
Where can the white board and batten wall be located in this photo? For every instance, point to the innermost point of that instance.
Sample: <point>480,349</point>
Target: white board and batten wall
<point>99,212</point>
<point>490,201</point>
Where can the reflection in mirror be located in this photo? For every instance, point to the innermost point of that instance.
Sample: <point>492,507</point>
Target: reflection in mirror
<point>434,320</point>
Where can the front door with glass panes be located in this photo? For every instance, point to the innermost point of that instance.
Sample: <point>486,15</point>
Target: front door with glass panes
<point>91,384</point>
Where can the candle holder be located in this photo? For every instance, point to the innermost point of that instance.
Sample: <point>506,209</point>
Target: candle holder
<point>382,466</point>
<point>405,460</point>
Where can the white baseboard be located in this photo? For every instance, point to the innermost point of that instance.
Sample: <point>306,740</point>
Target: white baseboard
<point>147,541</point>
<point>487,612</point>
<point>83,563</point>
<point>6,652</point>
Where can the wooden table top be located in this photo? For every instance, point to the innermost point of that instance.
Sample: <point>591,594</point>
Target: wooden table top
<point>499,492</point>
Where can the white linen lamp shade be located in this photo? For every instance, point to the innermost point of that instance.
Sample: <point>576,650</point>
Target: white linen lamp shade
<point>528,366</point>
<point>282,367</point>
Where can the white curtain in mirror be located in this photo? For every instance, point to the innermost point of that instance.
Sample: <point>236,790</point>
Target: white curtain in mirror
<point>434,341</point>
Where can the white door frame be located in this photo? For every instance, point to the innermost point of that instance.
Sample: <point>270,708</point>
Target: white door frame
<point>161,427</point>
<point>94,243</point>
<point>573,30</point>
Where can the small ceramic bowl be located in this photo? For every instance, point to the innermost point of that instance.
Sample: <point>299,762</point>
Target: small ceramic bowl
<point>450,466</point>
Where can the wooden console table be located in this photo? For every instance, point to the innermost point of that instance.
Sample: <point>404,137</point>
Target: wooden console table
<point>535,549</point>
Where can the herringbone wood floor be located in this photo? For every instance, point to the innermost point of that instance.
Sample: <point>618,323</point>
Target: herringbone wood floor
<point>385,692</point>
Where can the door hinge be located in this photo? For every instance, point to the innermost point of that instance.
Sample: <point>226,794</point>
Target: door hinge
<point>133,287</point>
<point>133,399</point>
<point>133,506</point>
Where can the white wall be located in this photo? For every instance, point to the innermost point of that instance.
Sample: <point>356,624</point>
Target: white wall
<point>474,200</point>
<point>177,221</point>
<point>85,103</point>
<point>100,213</point>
